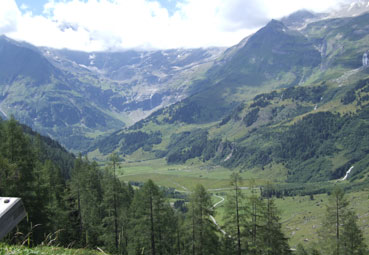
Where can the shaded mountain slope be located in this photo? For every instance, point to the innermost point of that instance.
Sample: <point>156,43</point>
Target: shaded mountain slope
<point>75,96</point>
<point>312,131</point>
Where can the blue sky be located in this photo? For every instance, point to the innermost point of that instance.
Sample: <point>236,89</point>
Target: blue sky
<point>100,25</point>
<point>36,6</point>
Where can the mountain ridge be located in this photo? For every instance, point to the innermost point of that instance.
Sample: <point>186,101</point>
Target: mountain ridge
<point>256,134</point>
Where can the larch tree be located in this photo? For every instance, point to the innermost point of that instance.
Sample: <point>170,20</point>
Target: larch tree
<point>335,218</point>
<point>203,231</point>
<point>151,221</point>
<point>235,214</point>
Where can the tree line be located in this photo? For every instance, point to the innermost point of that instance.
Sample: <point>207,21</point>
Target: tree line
<point>91,207</point>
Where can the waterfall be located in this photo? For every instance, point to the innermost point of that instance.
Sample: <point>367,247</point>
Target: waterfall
<point>365,59</point>
<point>347,173</point>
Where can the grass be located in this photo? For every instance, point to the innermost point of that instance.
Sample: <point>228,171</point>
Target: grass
<point>301,217</point>
<point>187,175</point>
<point>44,250</point>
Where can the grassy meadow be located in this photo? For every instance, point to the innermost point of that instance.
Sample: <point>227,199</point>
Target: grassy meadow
<point>301,216</point>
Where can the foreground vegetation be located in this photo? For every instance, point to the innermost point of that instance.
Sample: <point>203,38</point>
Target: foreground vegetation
<point>44,250</point>
<point>92,208</point>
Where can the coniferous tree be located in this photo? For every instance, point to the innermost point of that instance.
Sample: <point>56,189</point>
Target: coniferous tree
<point>335,219</point>
<point>274,241</point>
<point>203,231</point>
<point>151,221</point>
<point>85,185</point>
<point>352,236</point>
<point>116,201</point>
<point>235,215</point>
<point>256,222</point>
<point>17,149</point>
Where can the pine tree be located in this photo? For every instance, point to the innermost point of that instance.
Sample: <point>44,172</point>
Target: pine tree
<point>21,165</point>
<point>336,214</point>
<point>352,236</point>
<point>235,214</point>
<point>151,222</point>
<point>256,223</point>
<point>86,189</point>
<point>203,231</point>
<point>274,241</point>
<point>115,204</point>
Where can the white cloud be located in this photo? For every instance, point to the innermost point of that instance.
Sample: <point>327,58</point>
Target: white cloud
<point>117,24</point>
<point>9,15</point>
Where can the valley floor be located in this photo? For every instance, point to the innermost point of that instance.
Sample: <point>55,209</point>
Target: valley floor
<point>301,216</point>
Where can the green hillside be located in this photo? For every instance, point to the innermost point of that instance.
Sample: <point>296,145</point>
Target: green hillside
<point>311,130</point>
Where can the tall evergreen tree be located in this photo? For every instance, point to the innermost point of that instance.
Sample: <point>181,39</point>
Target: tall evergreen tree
<point>235,214</point>
<point>21,164</point>
<point>256,222</point>
<point>274,240</point>
<point>335,218</point>
<point>151,222</point>
<point>85,186</point>
<point>352,237</point>
<point>203,230</point>
<point>116,201</point>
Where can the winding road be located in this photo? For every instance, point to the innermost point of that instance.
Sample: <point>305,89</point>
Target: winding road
<point>213,219</point>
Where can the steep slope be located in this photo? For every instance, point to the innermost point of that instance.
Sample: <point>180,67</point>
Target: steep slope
<point>22,60</point>
<point>75,96</point>
<point>313,131</point>
<point>342,43</point>
<point>47,99</point>
<point>45,149</point>
<point>142,81</point>
<point>273,57</point>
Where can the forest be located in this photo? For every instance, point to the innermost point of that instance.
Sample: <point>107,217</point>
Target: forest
<point>73,202</point>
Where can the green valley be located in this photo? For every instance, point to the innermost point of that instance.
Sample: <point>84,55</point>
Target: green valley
<point>261,148</point>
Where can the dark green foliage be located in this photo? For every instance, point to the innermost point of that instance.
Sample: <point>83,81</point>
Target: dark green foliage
<point>202,232</point>
<point>236,216</point>
<point>108,144</point>
<point>184,112</point>
<point>233,115</point>
<point>135,140</point>
<point>304,142</point>
<point>115,204</point>
<point>152,224</point>
<point>34,168</point>
<point>304,94</point>
<point>340,233</point>
<point>187,145</point>
<point>251,117</point>
<point>129,142</point>
<point>303,139</point>
<point>260,103</point>
<point>252,224</point>
<point>349,97</point>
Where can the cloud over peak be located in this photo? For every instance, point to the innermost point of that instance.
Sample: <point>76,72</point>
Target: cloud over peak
<point>98,25</point>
